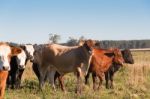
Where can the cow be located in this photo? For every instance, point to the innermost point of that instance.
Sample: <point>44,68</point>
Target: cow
<point>100,63</point>
<point>15,74</point>
<point>63,59</point>
<point>6,52</point>
<point>17,65</point>
<point>109,74</point>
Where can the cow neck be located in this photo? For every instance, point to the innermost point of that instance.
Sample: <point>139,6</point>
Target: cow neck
<point>84,53</point>
<point>87,48</point>
<point>26,61</point>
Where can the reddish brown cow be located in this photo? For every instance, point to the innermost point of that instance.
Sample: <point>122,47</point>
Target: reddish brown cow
<point>109,74</point>
<point>100,63</point>
<point>6,52</point>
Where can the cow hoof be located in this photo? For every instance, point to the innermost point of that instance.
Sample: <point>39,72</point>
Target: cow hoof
<point>107,87</point>
<point>87,83</point>
<point>94,88</point>
<point>78,92</point>
<point>54,90</point>
<point>99,88</point>
<point>111,87</point>
<point>65,92</point>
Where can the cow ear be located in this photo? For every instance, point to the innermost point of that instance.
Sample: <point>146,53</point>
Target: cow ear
<point>23,47</point>
<point>90,43</point>
<point>81,42</point>
<point>109,54</point>
<point>15,51</point>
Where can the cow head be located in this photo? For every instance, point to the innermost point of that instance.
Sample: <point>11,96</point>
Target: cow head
<point>89,45</point>
<point>127,56</point>
<point>6,52</point>
<point>21,59</point>
<point>117,56</point>
<point>29,50</point>
<point>118,59</point>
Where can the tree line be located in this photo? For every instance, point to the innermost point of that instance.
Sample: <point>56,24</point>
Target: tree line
<point>131,44</point>
<point>122,44</point>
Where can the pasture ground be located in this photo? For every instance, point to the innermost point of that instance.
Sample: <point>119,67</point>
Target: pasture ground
<point>131,82</point>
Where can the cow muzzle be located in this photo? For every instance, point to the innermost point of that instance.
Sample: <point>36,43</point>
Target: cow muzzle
<point>121,63</point>
<point>6,68</point>
<point>21,67</point>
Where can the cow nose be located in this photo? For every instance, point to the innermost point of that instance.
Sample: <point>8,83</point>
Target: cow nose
<point>121,63</point>
<point>31,59</point>
<point>132,62</point>
<point>6,68</point>
<point>21,66</point>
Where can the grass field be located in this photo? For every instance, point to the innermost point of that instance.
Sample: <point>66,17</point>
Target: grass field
<point>131,82</point>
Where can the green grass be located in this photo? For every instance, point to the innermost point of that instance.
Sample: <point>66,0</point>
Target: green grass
<point>131,82</point>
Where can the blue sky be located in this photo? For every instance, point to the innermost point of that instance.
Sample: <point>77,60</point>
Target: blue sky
<point>30,21</point>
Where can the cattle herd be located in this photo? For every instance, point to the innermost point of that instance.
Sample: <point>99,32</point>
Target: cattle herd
<point>53,61</point>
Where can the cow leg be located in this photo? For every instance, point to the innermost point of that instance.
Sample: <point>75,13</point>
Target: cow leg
<point>56,76</point>
<point>2,89</point>
<point>36,70</point>
<point>8,82</point>
<point>94,80</point>
<point>41,82</point>
<point>43,72</point>
<point>61,81</point>
<point>46,76</point>
<point>111,81</point>
<point>3,78</point>
<point>79,81</point>
<point>51,75</point>
<point>86,78</point>
<point>107,79</point>
<point>100,81</point>
<point>16,84</point>
<point>13,80</point>
<point>19,76</point>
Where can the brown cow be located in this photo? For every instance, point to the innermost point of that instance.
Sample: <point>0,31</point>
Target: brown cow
<point>101,60</point>
<point>6,52</point>
<point>109,74</point>
<point>63,59</point>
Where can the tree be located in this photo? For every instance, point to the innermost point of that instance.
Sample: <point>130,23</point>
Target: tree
<point>54,38</point>
<point>82,38</point>
<point>72,41</point>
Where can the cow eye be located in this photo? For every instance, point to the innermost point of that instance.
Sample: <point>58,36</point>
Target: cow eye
<point>1,58</point>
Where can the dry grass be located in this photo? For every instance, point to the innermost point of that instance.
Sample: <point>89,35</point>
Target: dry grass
<point>139,72</point>
<point>131,82</point>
